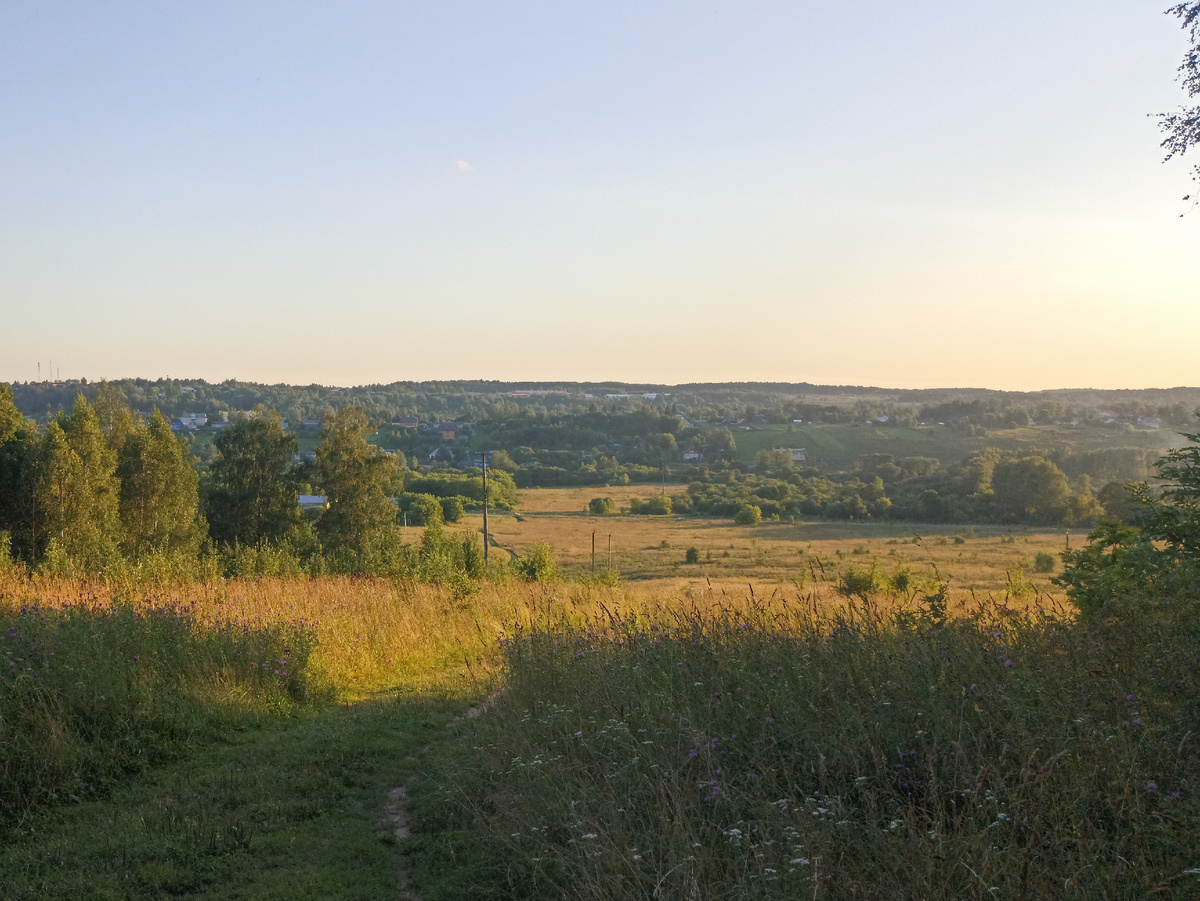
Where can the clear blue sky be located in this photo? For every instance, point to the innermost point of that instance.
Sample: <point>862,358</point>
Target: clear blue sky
<point>904,194</point>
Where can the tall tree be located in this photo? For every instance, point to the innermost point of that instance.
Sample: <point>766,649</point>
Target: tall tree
<point>159,498</point>
<point>354,475</point>
<point>1183,127</point>
<point>253,497</point>
<point>77,488</point>
<point>114,415</point>
<point>17,456</point>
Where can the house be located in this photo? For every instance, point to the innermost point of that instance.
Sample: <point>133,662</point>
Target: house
<point>799,455</point>
<point>443,427</point>
<point>312,501</point>
<point>447,434</point>
<point>692,455</point>
<point>442,454</point>
<point>311,423</point>
<point>189,421</point>
<point>407,422</point>
<point>883,417</point>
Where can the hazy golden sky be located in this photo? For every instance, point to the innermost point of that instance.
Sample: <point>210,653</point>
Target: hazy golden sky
<point>918,194</point>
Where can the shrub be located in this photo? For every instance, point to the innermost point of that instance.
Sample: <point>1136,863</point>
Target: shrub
<point>748,515</point>
<point>659,505</point>
<point>452,508</point>
<point>859,582</point>
<point>601,506</point>
<point>536,564</point>
<point>1043,563</point>
<point>1018,585</point>
<point>692,555</point>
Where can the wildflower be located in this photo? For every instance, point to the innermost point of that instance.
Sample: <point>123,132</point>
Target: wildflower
<point>590,835</point>
<point>1151,787</point>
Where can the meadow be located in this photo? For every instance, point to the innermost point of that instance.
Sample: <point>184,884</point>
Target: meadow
<point>831,710</point>
<point>976,561</point>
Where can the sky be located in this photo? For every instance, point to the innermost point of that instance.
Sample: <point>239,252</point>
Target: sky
<point>925,194</point>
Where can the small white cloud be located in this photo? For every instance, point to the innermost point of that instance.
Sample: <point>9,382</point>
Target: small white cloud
<point>462,165</point>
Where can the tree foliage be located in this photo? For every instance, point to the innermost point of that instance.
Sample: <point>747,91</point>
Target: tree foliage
<point>1182,128</point>
<point>252,498</point>
<point>1156,558</point>
<point>77,490</point>
<point>17,499</point>
<point>159,499</point>
<point>354,476</point>
<point>601,506</point>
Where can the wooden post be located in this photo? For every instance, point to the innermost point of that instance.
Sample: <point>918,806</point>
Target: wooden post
<point>483,457</point>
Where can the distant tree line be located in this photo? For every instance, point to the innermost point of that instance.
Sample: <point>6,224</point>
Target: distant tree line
<point>492,403</point>
<point>990,486</point>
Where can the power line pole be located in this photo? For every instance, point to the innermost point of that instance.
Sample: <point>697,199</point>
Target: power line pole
<point>483,462</point>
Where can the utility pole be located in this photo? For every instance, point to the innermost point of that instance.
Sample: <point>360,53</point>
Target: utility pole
<point>483,462</point>
<point>593,550</point>
<point>610,553</point>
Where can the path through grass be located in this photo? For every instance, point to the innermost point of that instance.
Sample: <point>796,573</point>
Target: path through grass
<point>289,809</point>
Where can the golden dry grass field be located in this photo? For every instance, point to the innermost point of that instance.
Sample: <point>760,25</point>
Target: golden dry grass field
<point>651,549</point>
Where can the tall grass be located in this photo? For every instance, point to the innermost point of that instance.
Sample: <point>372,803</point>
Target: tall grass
<point>786,749</point>
<point>101,678</point>
<point>92,691</point>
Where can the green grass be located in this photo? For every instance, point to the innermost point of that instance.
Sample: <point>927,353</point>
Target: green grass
<point>720,747</point>
<point>90,694</point>
<point>765,752</point>
<point>282,809</point>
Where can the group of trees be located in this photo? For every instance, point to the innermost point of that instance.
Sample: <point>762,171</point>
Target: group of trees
<point>95,485</point>
<point>988,486</point>
<point>99,487</point>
